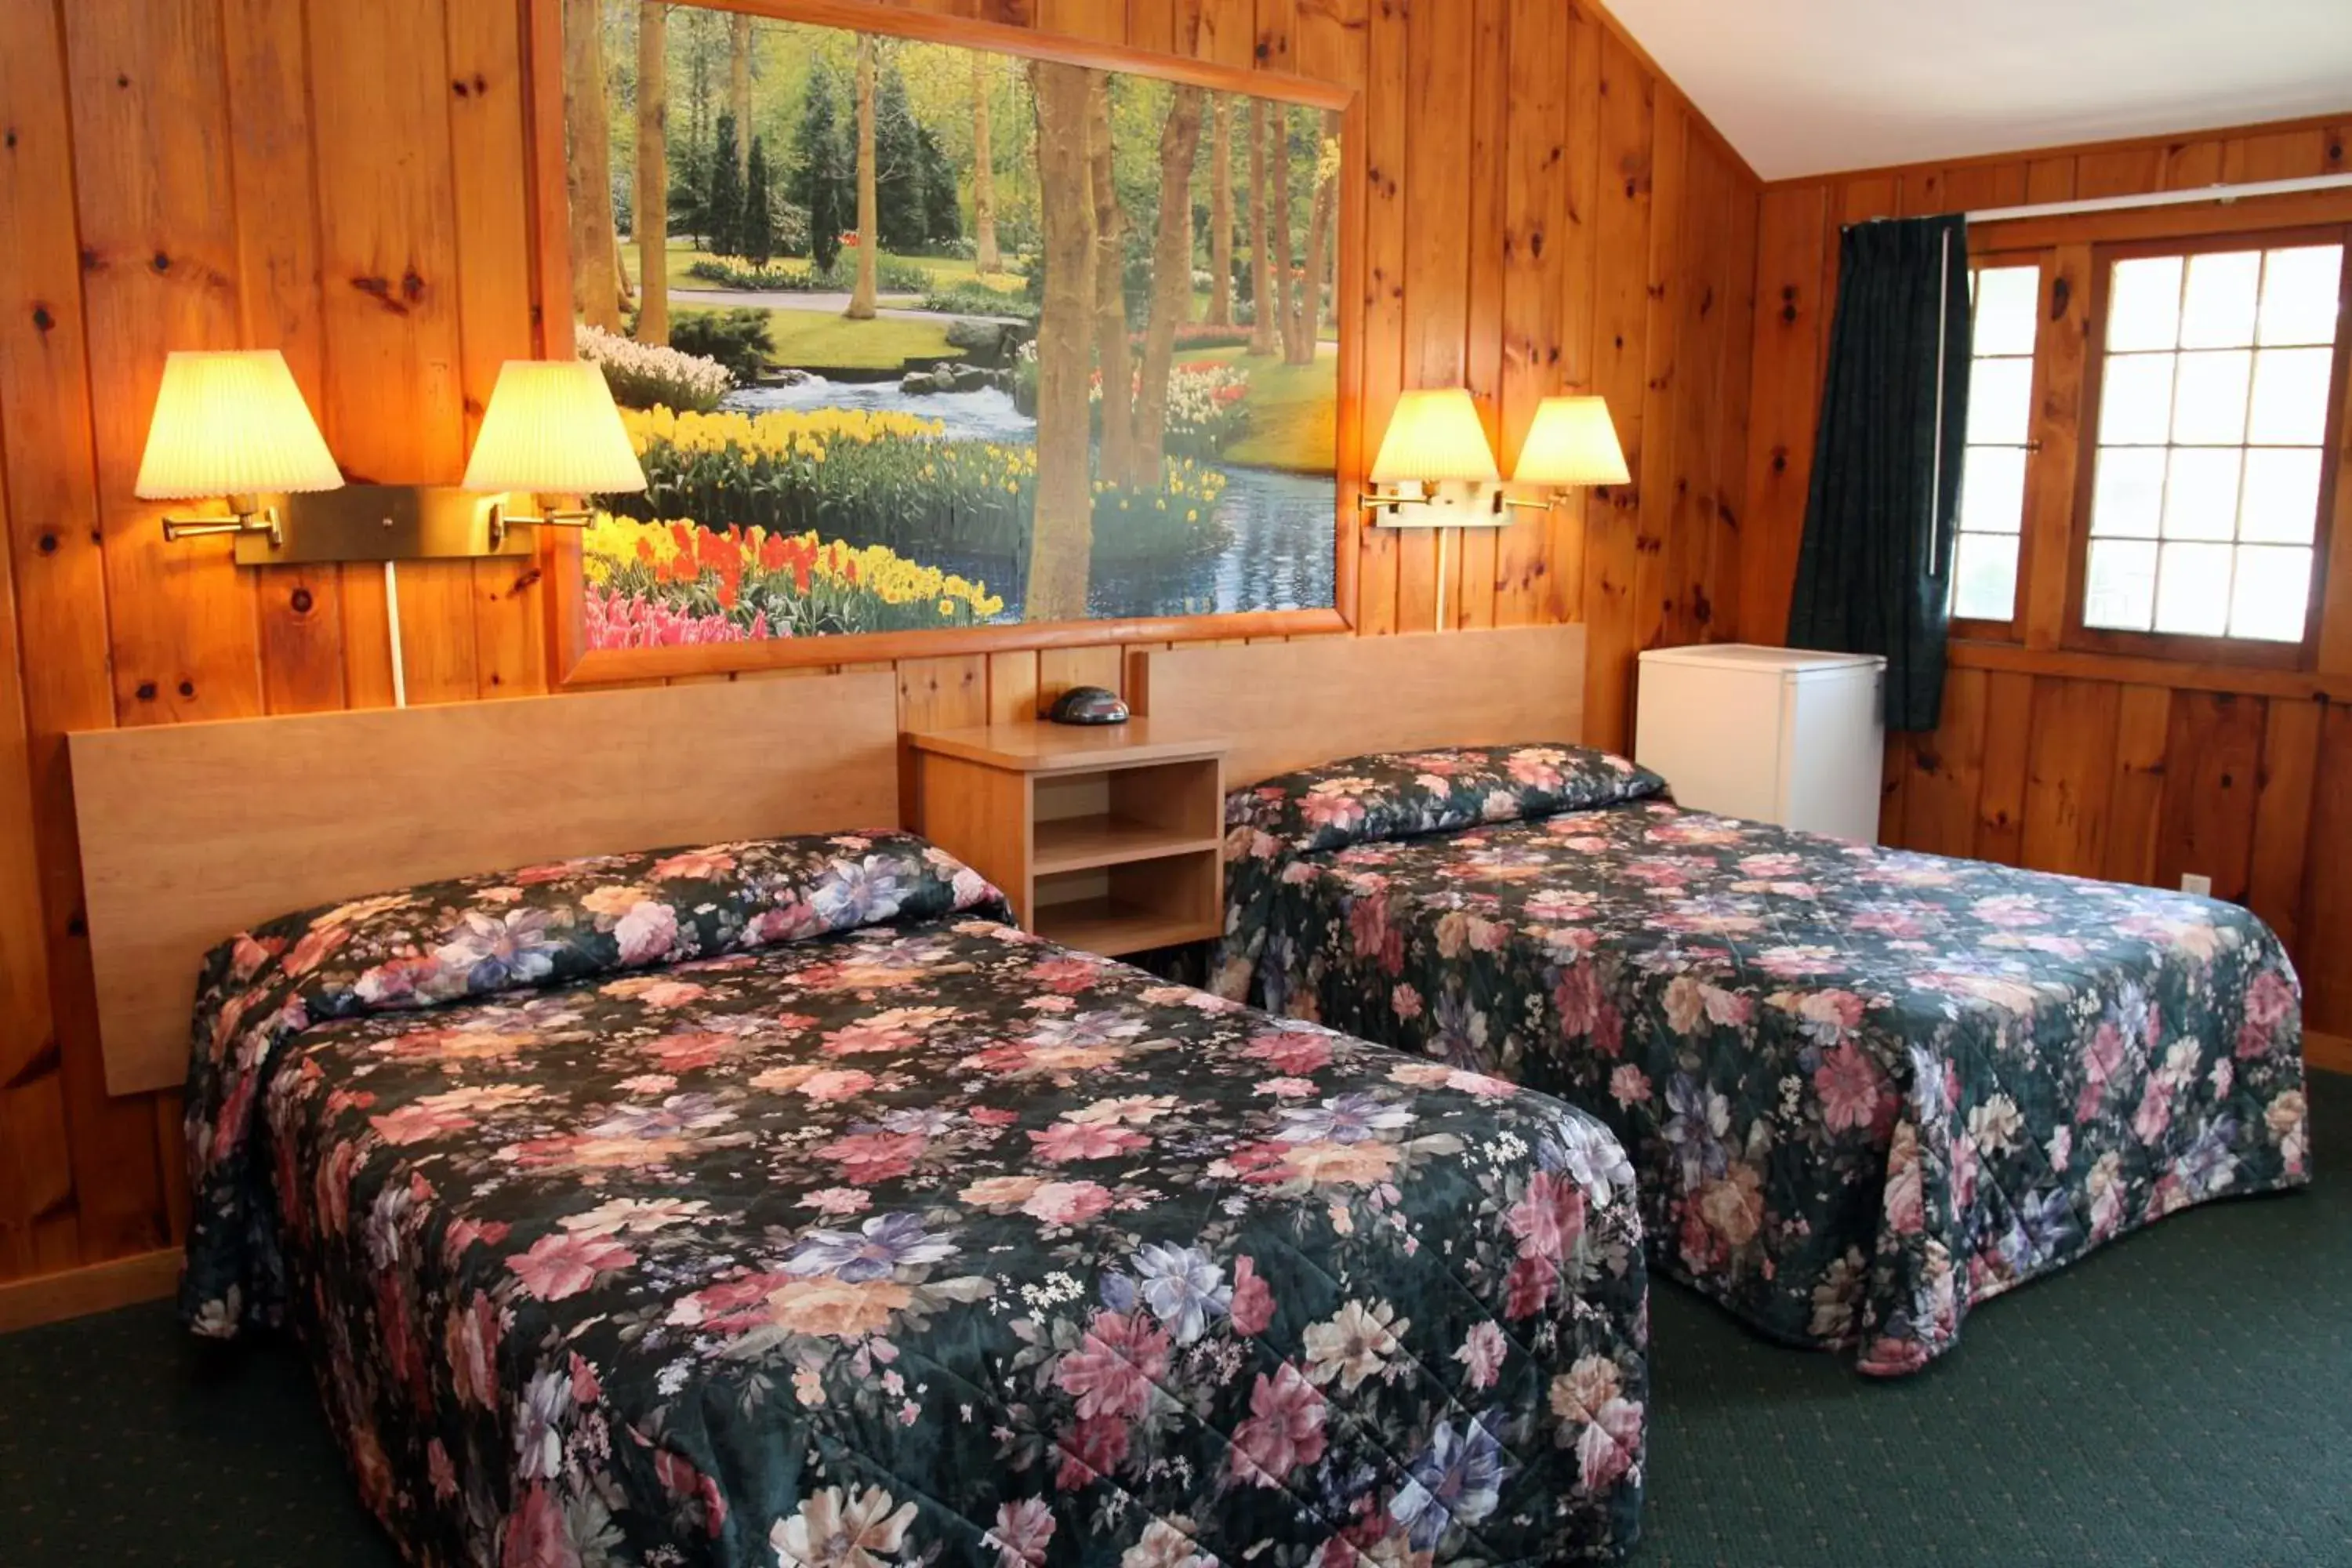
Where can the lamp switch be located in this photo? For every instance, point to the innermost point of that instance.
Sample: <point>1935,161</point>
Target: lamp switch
<point>2190,882</point>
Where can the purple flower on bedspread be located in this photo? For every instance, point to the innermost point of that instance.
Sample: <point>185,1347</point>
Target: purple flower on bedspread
<point>883,1246</point>
<point>1457,1480</point>
<point>490,952</point>
<point>1349,1119</point>
<point>1183,1288</point>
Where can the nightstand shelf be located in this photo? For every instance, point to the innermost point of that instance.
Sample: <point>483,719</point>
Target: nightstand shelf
<point>1102,838</point>
<point>1106,839</point>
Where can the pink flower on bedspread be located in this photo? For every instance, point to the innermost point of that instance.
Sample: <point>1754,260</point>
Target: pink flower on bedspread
<point>1067,1140</point>
<point>1095,1447</point>
<point>1294,1052</point>
<point>535,1534</point>
<point>1022,1530</point>
<point>1116,1366</point>
<point>1848,1082</point>
<point>1549,1220</point>
<point>1253,1304</point>
<point>1067,1203</point>
<point>866,1159</point>
<point>1483,1352</point>
<point>1285,1428</point>
<point>567,1263</point>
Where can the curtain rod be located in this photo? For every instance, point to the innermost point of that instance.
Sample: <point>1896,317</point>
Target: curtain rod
<point>2166,198</point>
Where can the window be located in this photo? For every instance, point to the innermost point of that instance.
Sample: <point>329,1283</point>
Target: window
<point>2005,301</point>
<point>2213,400</point>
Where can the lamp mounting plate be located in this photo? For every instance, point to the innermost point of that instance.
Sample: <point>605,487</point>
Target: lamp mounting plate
<point>382,523</point>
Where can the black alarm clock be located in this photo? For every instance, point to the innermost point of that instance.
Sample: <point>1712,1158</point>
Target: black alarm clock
<point>1088,705</point>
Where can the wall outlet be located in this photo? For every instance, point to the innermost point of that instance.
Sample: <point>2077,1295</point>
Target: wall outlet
<point>2190,882</point>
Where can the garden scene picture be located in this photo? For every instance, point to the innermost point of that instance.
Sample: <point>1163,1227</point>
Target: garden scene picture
<point>913,336</point>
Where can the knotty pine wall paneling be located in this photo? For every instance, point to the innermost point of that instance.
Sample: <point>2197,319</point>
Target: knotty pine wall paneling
<point>348,181</point>
<point>2133,769</point>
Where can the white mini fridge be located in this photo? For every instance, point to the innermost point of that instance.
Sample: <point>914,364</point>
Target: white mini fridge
<point>1771,734</point>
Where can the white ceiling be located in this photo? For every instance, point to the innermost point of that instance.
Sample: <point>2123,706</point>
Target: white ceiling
<point>1807,86</point>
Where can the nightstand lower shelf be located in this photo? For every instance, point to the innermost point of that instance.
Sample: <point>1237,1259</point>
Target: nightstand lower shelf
<point>1105,925</point>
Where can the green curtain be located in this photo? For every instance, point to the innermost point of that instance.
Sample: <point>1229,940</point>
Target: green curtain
<point>1874,575</point>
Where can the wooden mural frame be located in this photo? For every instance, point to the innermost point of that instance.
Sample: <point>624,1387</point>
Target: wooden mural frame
<point>572,664</point>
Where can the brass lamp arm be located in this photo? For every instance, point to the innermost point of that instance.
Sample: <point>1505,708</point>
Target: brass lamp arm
<point>552,517</point>
<point>246,519</point>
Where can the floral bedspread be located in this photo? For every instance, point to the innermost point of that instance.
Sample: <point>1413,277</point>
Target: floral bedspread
<point>772,1203</point>
<point>1863,1088</point>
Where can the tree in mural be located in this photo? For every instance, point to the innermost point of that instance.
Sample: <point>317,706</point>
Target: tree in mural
<point>759,206</point>
<point>1172,283</point>
<point>817,184</point>
<point>1221,213</point>
<point>1287,295</point>
<point>985,256</point>
<point>739,85</point>
<point>1062,536</point>
<point>861,297</point>
<point>1262,315</point>
<point>1115,460</point>
<point>653,173</point>
<point>899,196</point>
<point>1318,239</point>
<point>596,245</point>
<point>722,202</point>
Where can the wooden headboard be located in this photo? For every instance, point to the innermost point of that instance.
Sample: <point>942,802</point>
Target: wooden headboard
<point>193,832</point>
<point>1293,704</point>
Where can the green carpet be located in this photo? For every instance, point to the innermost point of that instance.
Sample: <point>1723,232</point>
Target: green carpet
<point>2183,1397</point>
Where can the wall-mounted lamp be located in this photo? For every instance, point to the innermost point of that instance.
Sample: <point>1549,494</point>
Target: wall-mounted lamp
<point>232,426</point>
<point>1437,454</point>
<point>552,429</point>
<point>1570,442</point>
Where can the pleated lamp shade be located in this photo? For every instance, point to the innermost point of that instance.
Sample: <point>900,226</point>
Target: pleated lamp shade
<point>232,423</point>
<point>1571,442</point>
<point>551,428</point>
<point>1435,436</point>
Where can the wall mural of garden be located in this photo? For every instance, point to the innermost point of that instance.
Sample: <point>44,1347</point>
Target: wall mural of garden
<point>913,336</point>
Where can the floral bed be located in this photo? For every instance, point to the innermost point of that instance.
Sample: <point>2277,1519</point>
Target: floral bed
<point>1863,1088</point>
<point>772,1203</point>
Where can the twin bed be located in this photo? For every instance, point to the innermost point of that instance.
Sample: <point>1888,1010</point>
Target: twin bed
<point>1861,1089</point>
<point>772,1199</point>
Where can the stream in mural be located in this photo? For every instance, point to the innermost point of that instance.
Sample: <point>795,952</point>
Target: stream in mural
<point>1279,558</point>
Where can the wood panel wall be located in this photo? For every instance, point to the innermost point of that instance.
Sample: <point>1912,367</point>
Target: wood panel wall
<point>2133,769</point>
<point>347,179</point>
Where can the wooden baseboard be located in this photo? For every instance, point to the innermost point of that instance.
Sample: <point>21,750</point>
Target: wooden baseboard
<point>97,1288</point>
<point>2329,1053</point>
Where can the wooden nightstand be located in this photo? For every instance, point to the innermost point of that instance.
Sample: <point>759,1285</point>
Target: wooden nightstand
<point>1109,839</point>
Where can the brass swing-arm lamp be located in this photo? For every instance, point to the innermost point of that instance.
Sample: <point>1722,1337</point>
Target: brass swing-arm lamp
<point>1441,470</point>
<point>231,425</point>
<point>552,429</point>
<point>1569,443</point>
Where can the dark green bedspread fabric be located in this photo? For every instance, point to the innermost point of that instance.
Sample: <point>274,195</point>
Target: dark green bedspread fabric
<point>774,1204</point>
<point>1863,1088</point>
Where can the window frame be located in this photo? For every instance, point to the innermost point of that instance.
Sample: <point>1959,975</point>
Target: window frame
<point>2072,250</point>
<point>2043,258</point>
<point>2187,646</point>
